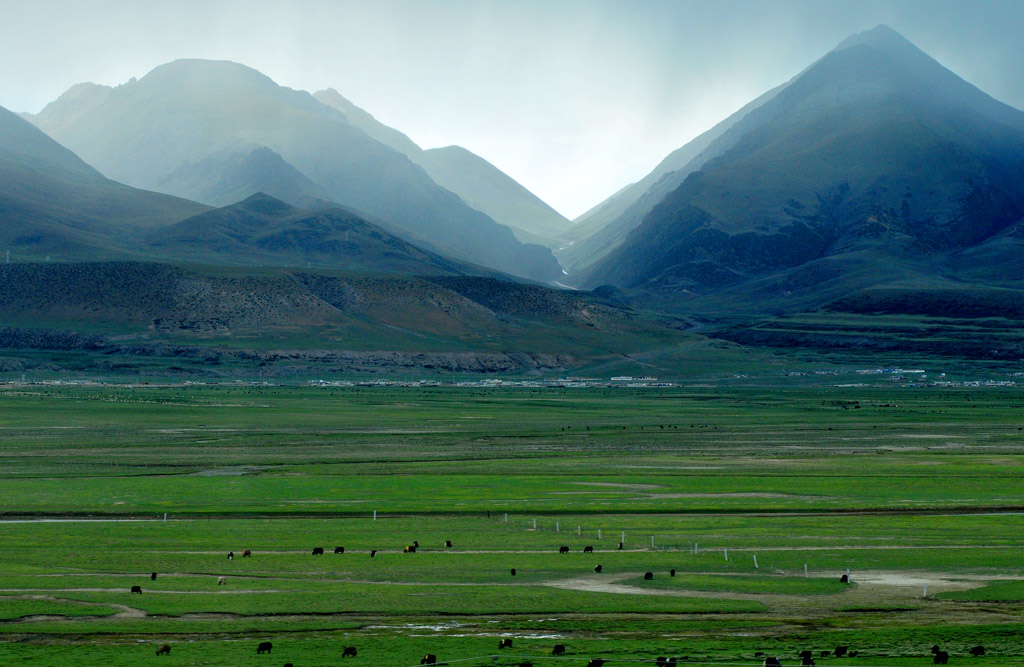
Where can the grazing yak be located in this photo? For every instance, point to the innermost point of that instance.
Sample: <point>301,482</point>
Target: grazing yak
<point>826,654</point>
<point>845,579</point>
<point>505,643</point>
<point>373,552</point>
<point>807,662</point>
<point>349,652</point>
<point>559,649</point>
<point>841,651</point>
<point>339,550</point>
<point>513,572</point>
<point>152,577</point>
<point>940,657</point>
<point>411,549</point>
<point>804,654</point>
<point>771,661</point>
<point>672,572</point>
<point>429,659</point>
<point>620,546</point>
<point>137,589</point>
<point>264,647</point>
<point>164,649</point>
<point>648,576</point>
<point>563,550</point>
<point>318,551</point>
<point>447,544</point>
<point>977,650</point>
<point>246,553</point>
<point>597,568</point>
<point>588,549</point>
<point>596,662</point>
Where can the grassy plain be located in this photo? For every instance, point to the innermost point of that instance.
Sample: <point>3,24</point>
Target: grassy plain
<point>757,498</point>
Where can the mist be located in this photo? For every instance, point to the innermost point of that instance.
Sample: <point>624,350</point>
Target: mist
<point>573,99</point>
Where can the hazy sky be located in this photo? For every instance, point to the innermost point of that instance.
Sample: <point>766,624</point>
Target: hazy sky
<point>574,98</point>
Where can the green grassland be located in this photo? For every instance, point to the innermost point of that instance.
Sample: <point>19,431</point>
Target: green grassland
<point>758,499</point>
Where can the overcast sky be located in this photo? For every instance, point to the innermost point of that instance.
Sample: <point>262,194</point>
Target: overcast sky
<point>574,98</point>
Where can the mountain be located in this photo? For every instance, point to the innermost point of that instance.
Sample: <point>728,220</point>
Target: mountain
<point>117,318</point>
<point>177,128</point>
<point>54,204</point>
<point>266,231</point>
<point>231,176</point>
<point>604,227</point>
<point>478,182</point>
<point>875,164</point>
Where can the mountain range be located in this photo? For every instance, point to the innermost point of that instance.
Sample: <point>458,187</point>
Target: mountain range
<point>874,184</point>
<point>216,131</point>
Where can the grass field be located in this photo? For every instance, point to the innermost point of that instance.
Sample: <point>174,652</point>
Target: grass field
<point>758,499</point>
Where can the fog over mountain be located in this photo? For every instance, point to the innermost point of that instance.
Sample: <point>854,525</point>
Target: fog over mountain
<point>479,183</point>
<point>874,164</point>
<point>588,95</point>
<point>203,129</point>
<point>54,204</point>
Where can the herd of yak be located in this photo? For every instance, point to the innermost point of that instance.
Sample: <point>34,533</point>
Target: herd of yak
<point>939,657</point>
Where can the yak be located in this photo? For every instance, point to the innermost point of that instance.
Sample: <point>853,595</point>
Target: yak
<point>505,643</point>
<point>429,659</point>
<point>164,649</point>
<point>318,551</point>
<point>648,576</point>
<point>349,652</point>
<point>137,589</point>
<point>563,550</point>
<point>264,647</point>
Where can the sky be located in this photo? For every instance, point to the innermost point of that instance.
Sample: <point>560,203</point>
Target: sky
<point>575,99</point>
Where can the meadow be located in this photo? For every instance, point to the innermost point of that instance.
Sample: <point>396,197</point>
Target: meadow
<point>746,504</point>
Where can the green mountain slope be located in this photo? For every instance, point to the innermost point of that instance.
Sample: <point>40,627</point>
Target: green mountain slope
<point>264,230</point>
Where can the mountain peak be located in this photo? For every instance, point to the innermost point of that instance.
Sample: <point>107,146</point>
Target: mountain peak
<point>881,37</point>
<point>264,204</point>
<point>199,71</point>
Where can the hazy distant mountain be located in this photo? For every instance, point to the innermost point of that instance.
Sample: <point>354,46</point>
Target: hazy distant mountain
<point>874,164</point>
<point>478,182</point>
<point>265,230</point>
<point>232,176</point>
<point>53,204</point>
<point>173,130</point>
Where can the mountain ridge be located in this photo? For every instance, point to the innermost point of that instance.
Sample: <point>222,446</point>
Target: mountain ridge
<point>872,147</point>
<point>189,110</point>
